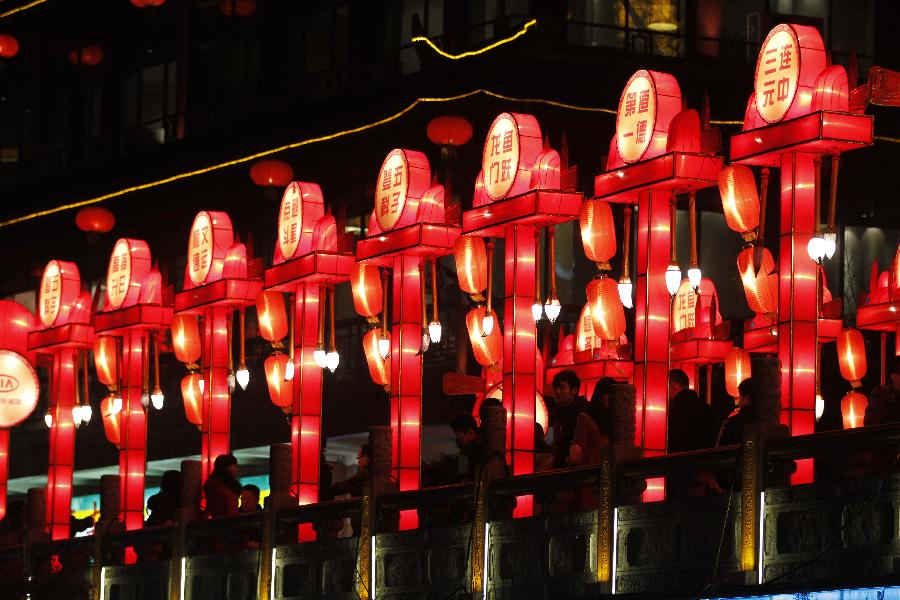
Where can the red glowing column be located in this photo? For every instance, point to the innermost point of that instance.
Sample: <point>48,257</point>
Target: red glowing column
<point>216,398</point>
<point>133,447</point>
<point>62,443</point>
<point>4,468</point>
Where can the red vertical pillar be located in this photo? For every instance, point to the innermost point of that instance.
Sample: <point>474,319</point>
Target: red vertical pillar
<point>133,447</point>
<point>306,422</point>
<point>62,444</point>
<point>216,399</point>
<point>797,301</point>
<point>520,351</point>
<point>406,379</point>
<point>4,468</point>
<point>651,339</point>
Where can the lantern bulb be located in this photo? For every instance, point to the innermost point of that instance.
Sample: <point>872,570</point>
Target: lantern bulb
<point>230,380</point>
<point>243,377</point>
<point>426,341</point>
<point>487,325</point>
<point>830,244</point>
<point>384,347</point>
<point>116,407</point>
<point>157,398</point>
<point>820,406</point>
<point>48,419</point>
<point>76,415</point>
<point>332,360</point>
<point>145,400</point>
<point>537,310</point>
<point>202,385</point>
<point>434,332</point>
<point>289,370</point>
<point>552,307</point>
<point>816,248</point>
<point>673,278</point>
<point>694,277</point>
<point>319,357</point>
<point>86,413</point>
<point>625,289</point>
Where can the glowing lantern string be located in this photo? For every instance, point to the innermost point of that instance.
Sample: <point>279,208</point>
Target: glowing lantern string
<point>156,396</point>
<point>426,339</point>
<point>112,426</point>
<point>332,358</point>
<point>186,339</point>
<point>280,389</point>
<point>851,349</point>
<point>271,316</point>
<point>598,234</point>
<point>105,360</point>
<point>86,410</point>
<point>289,369</point>
<point>471,265</point>
<point>434,328</point>
<point>230,379</point>
<point>537,308</point>
<point>625,285</point>
<point>607,313</point>
<point>694,274</point>
<point>740,203</point>
<point>830,236</point>
<point>243,374</point>
<point>853,409</point>
<point>367,290</point>
<point>815,248</point>
<point>319,352</point>
<point>384,343</point>
<point>552,307</point>
<point>673,271</point>
<point>486,346</point>
<point>487,324</point>
<point>737,369</point>
<point>192,394</point>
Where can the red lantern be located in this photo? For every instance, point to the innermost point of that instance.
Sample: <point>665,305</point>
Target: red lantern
<point>87,56</point>
<point>607,313</point>
<point>740,200</point>
<point>737,369</point>
<point>106,360</point>
<point>853,409</point>
<point>598,234</point>
<point>471,264</point>
<point>449,130</point>
<point>280,390</point>
<point>241,8</point>
<point>365,285</point>
<point>111,411</point>
<point>193,398</point>
<point>379,368</point>
<point>271,315</point>
<point>186,338</point>
<point>488,349</point>
<point>147,3</point>
<point>94,218</point>
<point>761,288</point>
<point>271,172</point>
<point>9,46</point>
<point>851,349</point>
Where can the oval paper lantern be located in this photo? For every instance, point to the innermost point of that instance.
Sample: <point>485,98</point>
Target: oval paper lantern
<point>737,369</point>
<point>853,409</point>
<point>271,172</point>
<point>193,398</point>
<point>94,218</point>
<point>87,56</point>
<point>449,130</point>
<point>851,349</point>
<point>106,360</point>
<point>760,288</point>
<point>379,368</point>
<point>186,338</point>
<point>271,316</point>
<point>607,312</point>
<point>280,390</point>
<point>9,46</point>
<point>598,233</point>
<point>147,3</point>
<point>241,8</point>
<point>365,285</point>
<point>488,349</point>
<point>471,264</point>
<point>740,200</point>
<point>112,425</point>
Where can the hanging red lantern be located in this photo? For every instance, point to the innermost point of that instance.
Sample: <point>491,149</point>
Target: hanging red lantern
<point>737,369</point>
<point>147,3</point>
<point>280,389</point>
<point>379,368</point>
<point>87,56</point>
<point>271,172</point>
<point>853,409</point>
<point>471,264</point>
<point>760,288</point>
<point>488,349</point>
<point>271,316</point>
<point>598,234</point>
<point>9,46</point>
<point>740,200</point>
<point>365,285</point>
<point>193,397</point>
<point>111,411</point>
<point>241,8</point>
<point>607,313</point>
<point>851,350</point>
<point>449,130</point>
<point>94,218</point>
<point>106,360</point>
<point>186,338</point>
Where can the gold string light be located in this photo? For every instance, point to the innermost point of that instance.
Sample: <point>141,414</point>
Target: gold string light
<point>488,48</point>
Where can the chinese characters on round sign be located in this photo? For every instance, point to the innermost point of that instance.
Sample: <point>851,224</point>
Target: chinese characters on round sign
<point>684,307</point>
<point>777,74</point>
<point>636,117</point>
<point>290,219</point>
<point>118,274</point>
<point>18,388</point>
<point>391,189</point>
<point>51,294</point>
<point>200,249</point>
<point>500,157</point>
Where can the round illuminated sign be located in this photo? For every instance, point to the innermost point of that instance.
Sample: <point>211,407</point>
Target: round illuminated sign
<point>585,339</point>
<point>636,117</point>
<point>391,190</point>
<point>290,220</point>
<point>118,274</point>
<point>684,307</point>
<point>777,73</point>
<point>50,296</point>
<point>18,388</point>
<point>500,157</point>
<point>200,248</point>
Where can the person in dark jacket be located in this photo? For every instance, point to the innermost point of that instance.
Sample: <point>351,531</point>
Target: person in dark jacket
<point>568,405</point>
<point>690,418</point>
<point>222,488</point>
<point>732,431</point>
<point>353,485</point>
<point>163,504</point>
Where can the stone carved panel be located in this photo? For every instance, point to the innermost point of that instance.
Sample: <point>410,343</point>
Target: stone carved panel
<point>321,569</point>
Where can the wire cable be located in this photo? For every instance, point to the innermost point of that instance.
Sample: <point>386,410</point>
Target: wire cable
<point>470,53</point>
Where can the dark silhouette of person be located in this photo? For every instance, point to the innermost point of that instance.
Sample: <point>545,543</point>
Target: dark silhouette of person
<point>745,414</point>
<point>690,418</point>
<point>222,488</point>
<point>249,499</point>
<point>568,405</point>
<point>164,504</point>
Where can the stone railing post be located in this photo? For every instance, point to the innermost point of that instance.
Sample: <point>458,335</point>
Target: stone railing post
<point>379,483</point>
<point>36,524</point>
<point>751,502</point>
<point>188,510</point>
<point>279,495</point>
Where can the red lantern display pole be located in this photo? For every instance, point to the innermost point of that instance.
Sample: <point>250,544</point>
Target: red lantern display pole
<point>4,468</point>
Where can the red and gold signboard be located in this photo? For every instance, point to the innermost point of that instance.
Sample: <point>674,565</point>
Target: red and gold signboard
<point>391,190</point>
<point>18,388</point>
<point>129,263</point>
<point>200,248</point>
<point>646,108</point>
<point>60,285</point>
<point>302,208</point>
<point>500,158</point>
<point>790,60</point>
<point>684,307</point>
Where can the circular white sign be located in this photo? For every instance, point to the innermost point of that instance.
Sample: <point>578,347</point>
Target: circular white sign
<point>18,388</point>
<point>118,274</point>
<point>50,296</point>
<point>200,248</point>
<point>777,73</point>
<point>636,117</point>
<point>500,157</point>
<point>290,220</point>
<point>391,190</point>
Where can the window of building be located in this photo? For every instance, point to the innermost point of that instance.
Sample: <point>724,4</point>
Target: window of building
<point>149,107</point>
